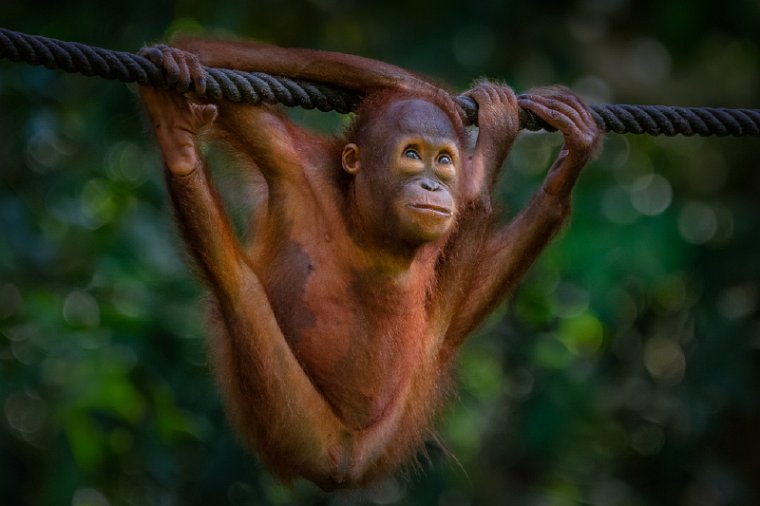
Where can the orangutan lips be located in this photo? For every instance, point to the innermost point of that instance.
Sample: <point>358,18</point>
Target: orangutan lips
<point>430,207</point>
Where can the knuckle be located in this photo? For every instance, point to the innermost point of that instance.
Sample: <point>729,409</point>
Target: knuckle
<point>506,93</point>
<point>476,92</point>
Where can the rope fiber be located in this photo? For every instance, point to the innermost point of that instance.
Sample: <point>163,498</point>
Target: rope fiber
<point>257,87</point>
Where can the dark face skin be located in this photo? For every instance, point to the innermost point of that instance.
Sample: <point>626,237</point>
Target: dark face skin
<point>407,182</point>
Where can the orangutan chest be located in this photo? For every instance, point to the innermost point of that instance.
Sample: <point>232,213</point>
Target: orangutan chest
<point>358,351</point>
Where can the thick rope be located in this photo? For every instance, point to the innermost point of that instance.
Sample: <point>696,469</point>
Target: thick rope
<point>257,87</point>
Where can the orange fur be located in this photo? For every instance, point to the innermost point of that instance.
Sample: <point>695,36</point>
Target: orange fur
<point>373,254</point>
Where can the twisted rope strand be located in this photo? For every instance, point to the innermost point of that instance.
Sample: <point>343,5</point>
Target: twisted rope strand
<point>257,87</point>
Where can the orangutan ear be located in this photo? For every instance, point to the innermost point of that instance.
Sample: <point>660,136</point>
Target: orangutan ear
<point>350,158</point>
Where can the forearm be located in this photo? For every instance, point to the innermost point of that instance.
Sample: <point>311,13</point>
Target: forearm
<point>488,162</point>
<point>241,297</point>
<point>205,229</point>
<point>275,401</point>
<point>515,247</point>
<point>345,70</point>
<point>277,406</point>
<point>505,259</point>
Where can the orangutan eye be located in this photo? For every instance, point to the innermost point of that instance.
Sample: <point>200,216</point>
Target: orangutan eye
<point>412,153</point>
<point>445,159</point>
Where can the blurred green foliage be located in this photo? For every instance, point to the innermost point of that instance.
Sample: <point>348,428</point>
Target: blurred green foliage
<point>624,372</point>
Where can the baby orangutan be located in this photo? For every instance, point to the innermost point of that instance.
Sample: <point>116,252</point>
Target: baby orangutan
<point>375,252</point>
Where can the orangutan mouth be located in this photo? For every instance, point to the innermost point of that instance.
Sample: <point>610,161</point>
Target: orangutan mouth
<point>443,211</point>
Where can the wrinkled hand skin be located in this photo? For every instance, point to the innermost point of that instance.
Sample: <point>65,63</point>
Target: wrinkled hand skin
<point>498,124</point>
<point>176,116</point>
<point>182,69</point>
<point>498,113</point>
<point>562,109</point>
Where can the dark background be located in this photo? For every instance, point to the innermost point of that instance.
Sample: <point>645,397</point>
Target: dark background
<point>624,371</point>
